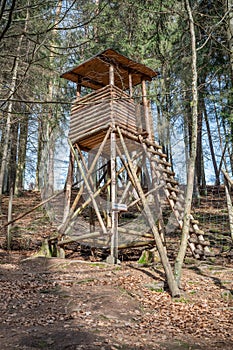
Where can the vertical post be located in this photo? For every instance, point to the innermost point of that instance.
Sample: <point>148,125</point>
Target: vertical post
<point>91,210</point>
<point>114,219</point>
<point>111,75</point>
<point>146,110</point>
<point>108,211</point>
<point>114,245</point>
<point>130,85</point>
<point>79,86</point>
<point>113,258</point>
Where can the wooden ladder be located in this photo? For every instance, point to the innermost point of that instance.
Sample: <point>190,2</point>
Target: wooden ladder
<point>199,246</point>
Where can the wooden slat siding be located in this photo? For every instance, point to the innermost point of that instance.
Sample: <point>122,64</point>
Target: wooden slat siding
<point>83,132</point>
<point>91,95</point>
<point>93,140</point>
<point>106,106</point>
<point>84,137</point>
<point>94,101</point>
<point>105,93</point>
<point>125,114</point>
<point>124,111</point>
<point>90,118</point>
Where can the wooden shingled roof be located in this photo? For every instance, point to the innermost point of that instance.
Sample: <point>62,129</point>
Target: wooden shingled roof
<point>94,73</point>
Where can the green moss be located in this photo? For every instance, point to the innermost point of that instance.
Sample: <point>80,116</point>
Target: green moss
<point>100,265</point>
<point>193,292</point>
<point>181,300</point>
<point>146,258</point>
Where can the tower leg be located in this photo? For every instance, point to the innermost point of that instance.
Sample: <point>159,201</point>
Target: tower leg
<point>91,210</point>
<point>113,258</point>
<point>162,252</point>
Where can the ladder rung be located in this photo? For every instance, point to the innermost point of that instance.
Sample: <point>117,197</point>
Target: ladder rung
<point>173,189</point>
<point>167,171</point>
<point>172,181</point>
<point>193,221</point>
<point>161,161</point>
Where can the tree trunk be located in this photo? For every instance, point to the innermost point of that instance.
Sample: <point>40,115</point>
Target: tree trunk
<point>229,7</point>
<point>51,124</point>
<point>9,109</point>
<point>187,134</point>
<point>230,45</point>
<point>22,147</point>
<point>200,170</point>
<point>216,170</point>
<point>192,159</point>
<point>7,132</point>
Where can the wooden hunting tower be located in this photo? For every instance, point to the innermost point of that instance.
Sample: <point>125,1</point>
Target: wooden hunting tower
<point>121,169</point>
<point>112,76</point>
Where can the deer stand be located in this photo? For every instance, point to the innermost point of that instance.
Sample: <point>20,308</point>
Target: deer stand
<point>126,193</point>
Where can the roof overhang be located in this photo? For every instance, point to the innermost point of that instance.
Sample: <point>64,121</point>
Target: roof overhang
<point>94,73</point>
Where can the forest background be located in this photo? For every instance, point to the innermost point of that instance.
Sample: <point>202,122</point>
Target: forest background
<point>40,40</point>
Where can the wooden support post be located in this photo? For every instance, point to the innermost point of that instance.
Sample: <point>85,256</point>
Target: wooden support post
<point>111,74</point>
<point>134,192</point>
<point>89,190</point>
<point>125,193</point>
<point>108,209</point>
<point>162,252</point>
<point>92,185</point>
<point>64,225</point>
<point>114,240</point>
<point>130,85</point>
<point>146,195</point>
<point>91,210</point>
<point>146,111</point>
<point>88,201</point>
<point>79,87</point>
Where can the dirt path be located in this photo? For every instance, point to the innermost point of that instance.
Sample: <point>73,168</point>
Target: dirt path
<point>68,304</point>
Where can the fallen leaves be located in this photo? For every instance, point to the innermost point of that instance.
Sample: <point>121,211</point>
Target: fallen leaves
<point>116,301</point>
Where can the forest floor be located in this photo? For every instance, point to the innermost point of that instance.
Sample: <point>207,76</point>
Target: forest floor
<point>76,303</point>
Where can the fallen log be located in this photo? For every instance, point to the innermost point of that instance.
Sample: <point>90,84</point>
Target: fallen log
<point>81,238</point>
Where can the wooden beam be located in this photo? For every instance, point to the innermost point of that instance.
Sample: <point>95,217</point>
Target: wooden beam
<point>64,225</point>
<point>146,109</point>
<point>162,252</point>
<point>114,240</point>
<point>130,85</point>
<point>79,87</point>
<point>89,190</point>
<point>111,74</point>
<point>80,238</point>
